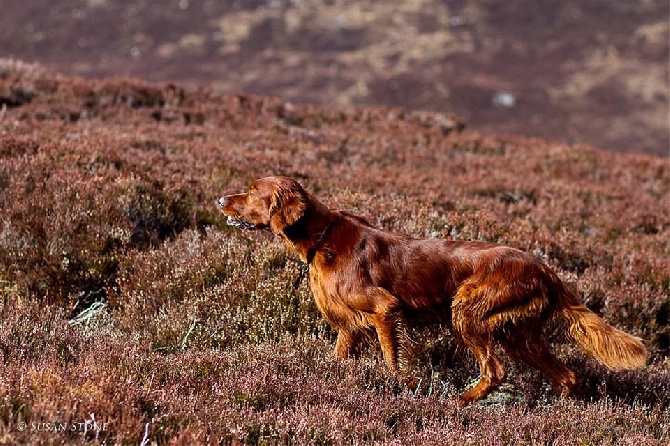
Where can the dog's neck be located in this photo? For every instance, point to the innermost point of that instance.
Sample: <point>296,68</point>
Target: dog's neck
<point>308,235</point>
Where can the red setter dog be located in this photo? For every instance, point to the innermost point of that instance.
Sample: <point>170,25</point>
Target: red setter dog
<point>364,277</point>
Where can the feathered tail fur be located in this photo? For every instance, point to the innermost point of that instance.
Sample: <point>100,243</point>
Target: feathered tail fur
<point>611,347</point>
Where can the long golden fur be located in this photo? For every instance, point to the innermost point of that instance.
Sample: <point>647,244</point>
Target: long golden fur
<point>364,277</point>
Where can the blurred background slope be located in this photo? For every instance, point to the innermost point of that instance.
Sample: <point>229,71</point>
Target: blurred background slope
<point>586,71</point>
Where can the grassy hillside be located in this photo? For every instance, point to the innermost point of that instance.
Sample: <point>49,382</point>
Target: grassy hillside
<point>126,298</point>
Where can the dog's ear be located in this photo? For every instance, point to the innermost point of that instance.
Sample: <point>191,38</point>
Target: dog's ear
<point>288,203</point>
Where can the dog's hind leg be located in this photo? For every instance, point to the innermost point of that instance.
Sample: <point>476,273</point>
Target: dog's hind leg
<point>534,352</point>
<point>491,371</point>
<point>470,326</point>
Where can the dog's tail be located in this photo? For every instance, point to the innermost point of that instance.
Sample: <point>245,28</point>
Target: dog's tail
<point>611,347</point>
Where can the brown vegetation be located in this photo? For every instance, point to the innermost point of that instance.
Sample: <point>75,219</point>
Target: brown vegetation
<point>125,295</point>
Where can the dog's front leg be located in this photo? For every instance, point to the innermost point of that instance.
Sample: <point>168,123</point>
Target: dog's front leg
<point>381,310</point>
<point>386,326</point>
<point>347,340</point>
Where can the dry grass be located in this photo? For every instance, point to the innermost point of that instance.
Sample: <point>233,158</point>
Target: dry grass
<point>125,296</point>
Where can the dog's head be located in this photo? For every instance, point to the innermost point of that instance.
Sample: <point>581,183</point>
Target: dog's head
<point>273,203</point>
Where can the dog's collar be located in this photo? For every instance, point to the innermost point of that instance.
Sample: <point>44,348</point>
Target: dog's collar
<point>311,253</point>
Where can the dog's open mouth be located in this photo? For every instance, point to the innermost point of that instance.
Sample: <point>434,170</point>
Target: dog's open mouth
<point>240,223</point>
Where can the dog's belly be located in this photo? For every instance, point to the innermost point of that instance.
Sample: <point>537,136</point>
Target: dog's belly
<point>439,314</point>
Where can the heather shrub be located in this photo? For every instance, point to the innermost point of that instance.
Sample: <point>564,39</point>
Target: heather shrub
<point>126,300</point>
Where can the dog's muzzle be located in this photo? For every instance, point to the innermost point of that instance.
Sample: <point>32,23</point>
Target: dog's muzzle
<point>234,221</point>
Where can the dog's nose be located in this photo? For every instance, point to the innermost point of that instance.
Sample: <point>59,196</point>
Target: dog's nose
<point>222,201</point>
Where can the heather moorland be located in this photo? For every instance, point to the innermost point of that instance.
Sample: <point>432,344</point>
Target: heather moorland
<point>131,313</point>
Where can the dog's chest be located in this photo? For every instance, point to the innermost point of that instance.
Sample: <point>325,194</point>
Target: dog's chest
<point>331,304</point>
